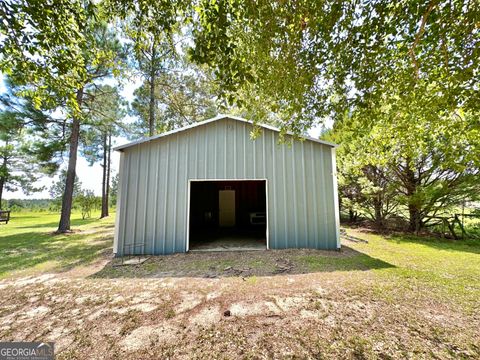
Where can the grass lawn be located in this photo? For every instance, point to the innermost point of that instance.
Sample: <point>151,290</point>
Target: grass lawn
<point>394,297</point>
<point>28,245</point>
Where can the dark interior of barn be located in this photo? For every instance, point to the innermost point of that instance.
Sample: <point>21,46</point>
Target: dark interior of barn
<point>227,215</point>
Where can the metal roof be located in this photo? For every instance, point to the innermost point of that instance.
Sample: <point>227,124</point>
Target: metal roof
<point>216,118</point>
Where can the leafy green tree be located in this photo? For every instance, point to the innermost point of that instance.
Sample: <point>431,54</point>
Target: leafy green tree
<point>303,59</point>
<point>87,201</point>
<point>311,59</point>
<point>367,188</point>
<point>58,52</point>
<point>431,164</point>
<point>43,44</point>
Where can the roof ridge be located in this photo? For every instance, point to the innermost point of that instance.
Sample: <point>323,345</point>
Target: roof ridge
<point>204,122</point>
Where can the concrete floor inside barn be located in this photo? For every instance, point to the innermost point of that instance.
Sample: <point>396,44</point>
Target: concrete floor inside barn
<point>229,242</point>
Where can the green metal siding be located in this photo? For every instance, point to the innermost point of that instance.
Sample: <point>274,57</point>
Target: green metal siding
<point>154,178</point>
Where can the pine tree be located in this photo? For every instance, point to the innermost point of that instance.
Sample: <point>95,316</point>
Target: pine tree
<point>105,114</point>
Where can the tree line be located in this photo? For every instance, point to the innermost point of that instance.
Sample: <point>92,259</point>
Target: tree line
<point>398,79</point>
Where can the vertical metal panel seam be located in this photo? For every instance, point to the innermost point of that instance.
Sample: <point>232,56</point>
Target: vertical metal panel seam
<point>274,187</point>
<point>284,194</point>
<point>244,149</point>
<point>187,238</point>
<point>215,141</point>
<point>165,198</point>
<point>116,234</point>
<point>205,147</point>
<point>185,181</point>
<point>267,224</point>
<point>323,196</point>
<point>155,195</point>
<point>264,138</point>
<point>225,149</point>
<point>196,155</point>
<point>136,202</point>
<point>304,191</point>
<point>336,208</point>
<point>175,194</point>
<point>255,157</point>
<point>294,190</point>
<point>234,154</point>
<point>146,199</point>
<point>315,199</point>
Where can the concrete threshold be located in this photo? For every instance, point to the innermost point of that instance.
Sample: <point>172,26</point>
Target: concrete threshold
<point>225,249</point>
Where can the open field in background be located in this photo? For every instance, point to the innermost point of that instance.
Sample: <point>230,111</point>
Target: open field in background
<point>396,297</point>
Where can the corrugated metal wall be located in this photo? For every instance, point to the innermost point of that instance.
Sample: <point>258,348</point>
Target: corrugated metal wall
<point>153,193</point>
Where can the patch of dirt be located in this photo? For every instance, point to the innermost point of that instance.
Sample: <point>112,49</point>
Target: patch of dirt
<point>290,303</point>
<point>144,336</point>
<point>242,309</point>
<point>207,316</point>
<point>189,302</point>
<point>37,311</point>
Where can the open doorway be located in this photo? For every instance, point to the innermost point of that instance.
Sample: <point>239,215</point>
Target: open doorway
<point>228,215</point>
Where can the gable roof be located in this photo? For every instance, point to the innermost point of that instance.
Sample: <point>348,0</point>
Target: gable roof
<point>216,118</point>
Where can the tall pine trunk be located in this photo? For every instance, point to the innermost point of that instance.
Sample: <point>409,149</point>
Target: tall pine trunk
<point>104,179</point>
<point>411,185</point>
<point>3,179</point>
<point>67,200</point>
<point>2,182</point>
<point>151,109</point>
<point>109,162</point>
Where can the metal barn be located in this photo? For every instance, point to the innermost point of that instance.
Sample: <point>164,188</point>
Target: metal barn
<point>210,186</point>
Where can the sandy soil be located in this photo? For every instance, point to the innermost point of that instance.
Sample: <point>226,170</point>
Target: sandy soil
<point>227,313</point>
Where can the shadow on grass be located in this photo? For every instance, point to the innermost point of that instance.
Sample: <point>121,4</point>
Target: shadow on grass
<point>245,263</point>
<point>471,245</point>
<point>24,251</point>
<point>54,224</point>
<point>14,217</point>
<point>467,245</point>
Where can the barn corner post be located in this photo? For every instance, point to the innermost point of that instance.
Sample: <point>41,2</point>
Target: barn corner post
<point>335,197</point>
